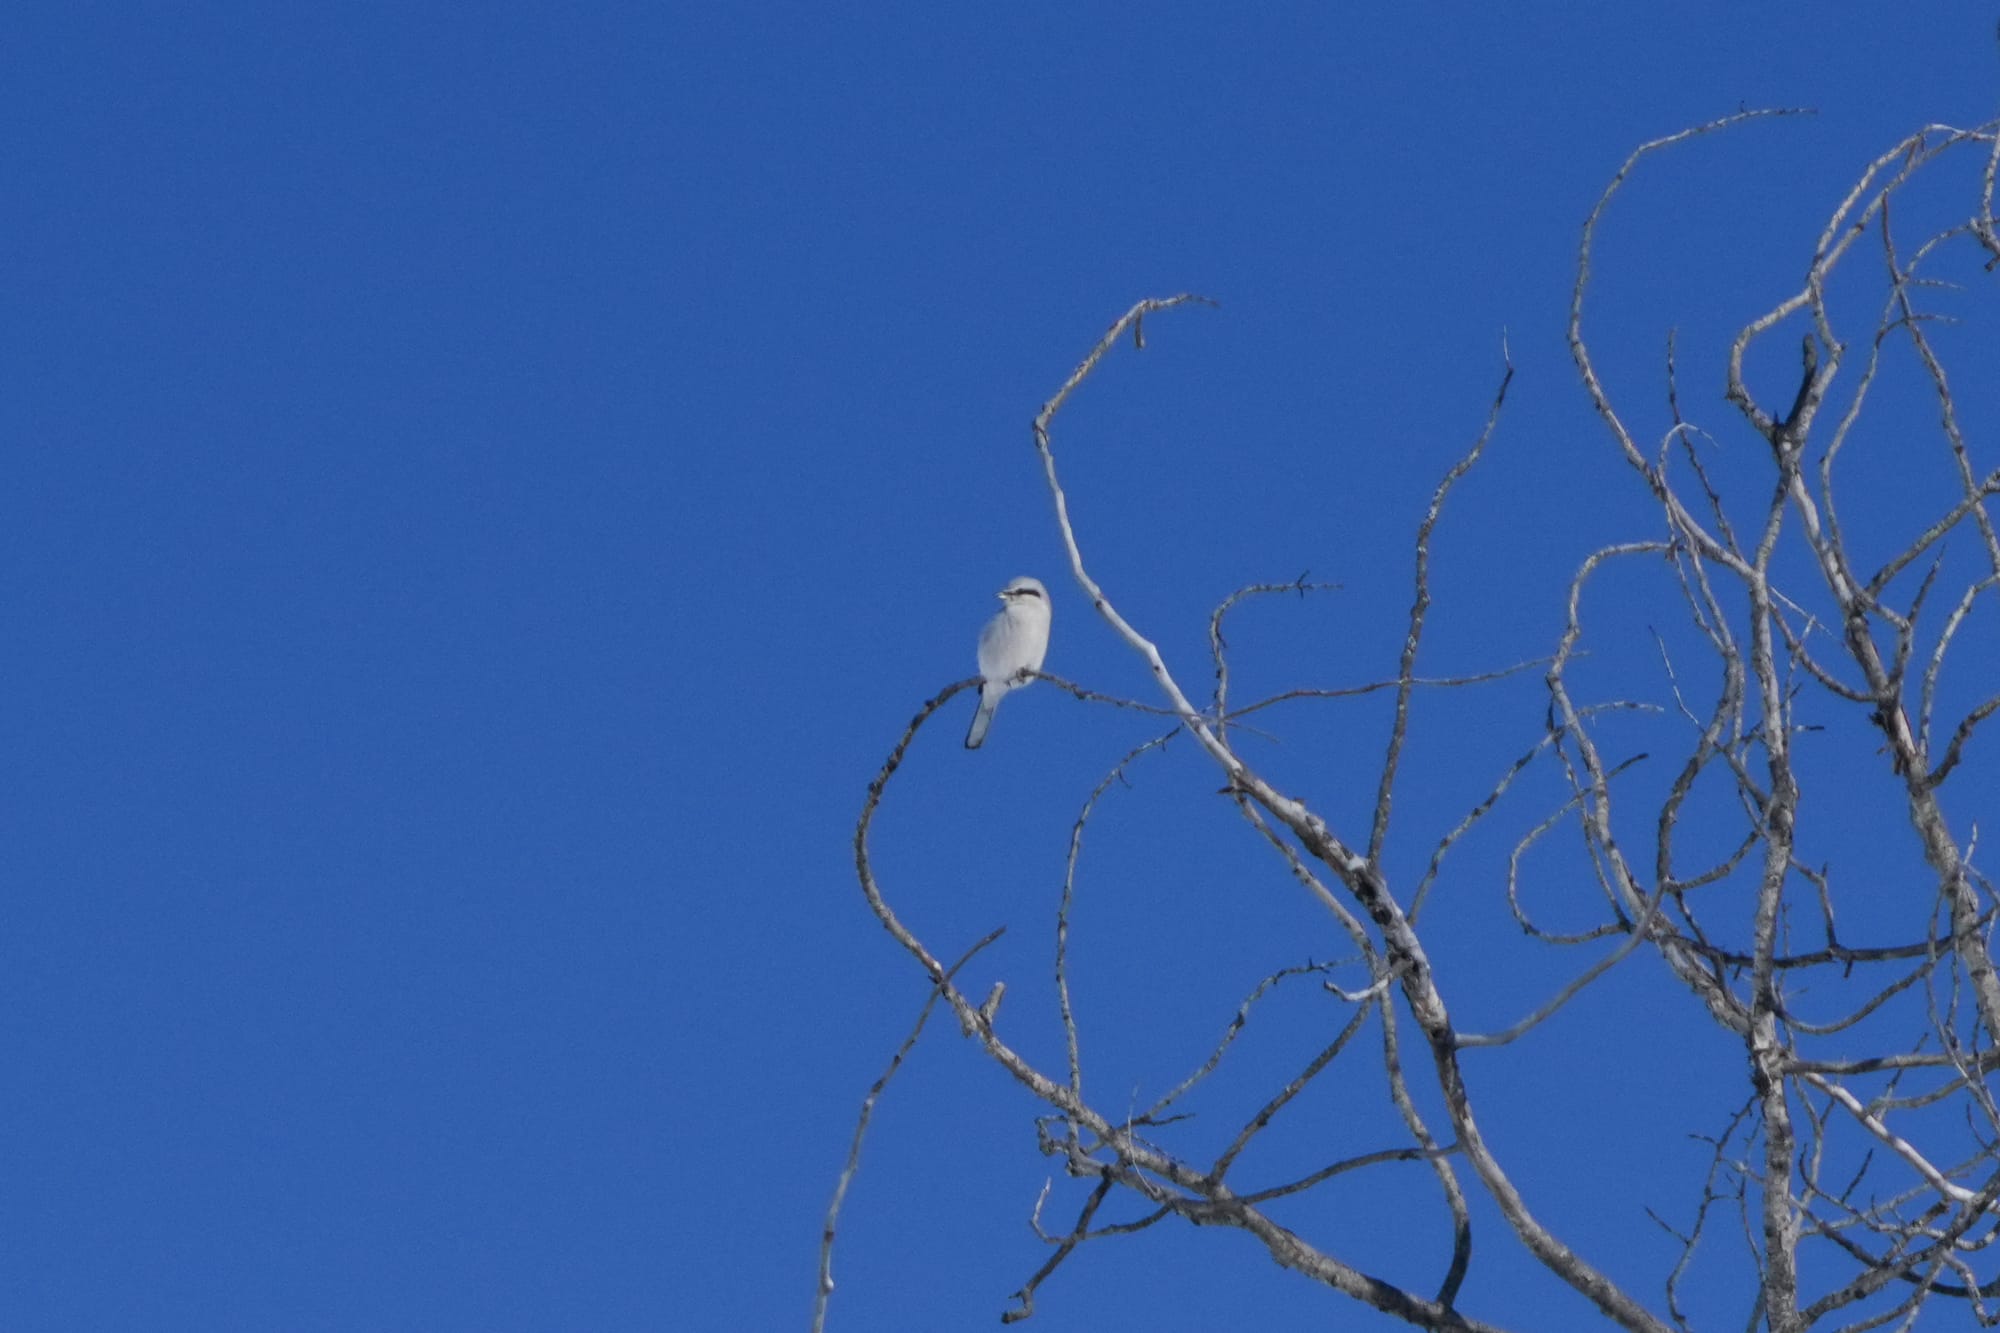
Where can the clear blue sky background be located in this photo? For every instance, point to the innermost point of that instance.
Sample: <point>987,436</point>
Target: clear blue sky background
<point>484,487</point>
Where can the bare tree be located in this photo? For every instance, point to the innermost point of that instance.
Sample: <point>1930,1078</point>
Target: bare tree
<point>1815,665</point>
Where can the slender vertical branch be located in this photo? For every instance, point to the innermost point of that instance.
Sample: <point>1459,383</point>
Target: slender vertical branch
<point>1406,669</point>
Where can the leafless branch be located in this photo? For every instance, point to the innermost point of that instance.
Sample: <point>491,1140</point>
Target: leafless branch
<point>1406,669</point>
<point>848,1172</point>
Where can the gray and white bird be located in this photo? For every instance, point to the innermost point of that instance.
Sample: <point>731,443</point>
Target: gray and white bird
<point>1016,640</point>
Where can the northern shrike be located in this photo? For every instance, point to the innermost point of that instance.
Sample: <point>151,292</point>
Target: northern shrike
<point>1014,641</point>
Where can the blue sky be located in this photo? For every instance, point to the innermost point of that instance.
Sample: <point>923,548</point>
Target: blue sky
<point>483,493</point>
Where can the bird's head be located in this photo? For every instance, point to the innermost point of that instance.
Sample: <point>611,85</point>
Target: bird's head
<point>1025,592</point>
